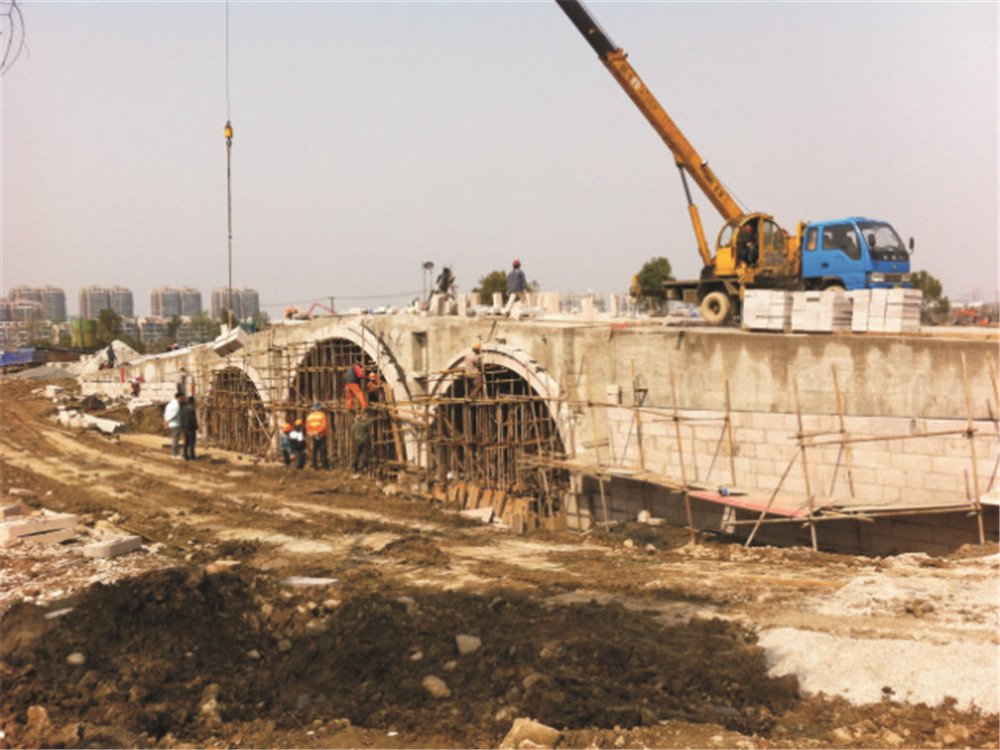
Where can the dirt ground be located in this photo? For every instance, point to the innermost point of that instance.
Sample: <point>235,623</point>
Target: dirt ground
<point>275,608</point>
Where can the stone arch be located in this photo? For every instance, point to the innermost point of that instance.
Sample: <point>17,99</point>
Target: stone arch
<point>534,375</point>
<point>489,439</point>
<point>319,375</point>
<point>234,416</point>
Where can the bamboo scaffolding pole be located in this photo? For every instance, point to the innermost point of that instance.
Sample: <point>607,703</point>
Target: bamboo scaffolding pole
<point>680,456</point>
<point>638,419</point>
<point>845,449</point>
<point>972,450</point>
<point>866,515</point>
<point>729,427</point>
<point>805,466</point>
<point>770,502</point>
<point>604,499</point>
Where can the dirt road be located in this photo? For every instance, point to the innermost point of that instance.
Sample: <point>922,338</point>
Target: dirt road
<point>276,608</point>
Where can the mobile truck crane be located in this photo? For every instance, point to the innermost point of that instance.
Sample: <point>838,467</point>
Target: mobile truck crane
<point>751,250</point>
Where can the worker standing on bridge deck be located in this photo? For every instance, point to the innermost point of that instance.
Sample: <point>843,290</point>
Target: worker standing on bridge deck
<point>355,386</point>
<point>317,426</point>
<point>516,285</point>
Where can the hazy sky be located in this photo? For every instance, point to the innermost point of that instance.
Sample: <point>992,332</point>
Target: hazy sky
<point>371,137</point>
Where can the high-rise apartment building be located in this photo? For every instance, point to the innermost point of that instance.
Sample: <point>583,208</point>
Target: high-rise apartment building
<point>93,299</point>
<point>246,302</point>
<point>52,300</point>
<point>165,302</point>
<point>190,301</point>
<point>122,302</point>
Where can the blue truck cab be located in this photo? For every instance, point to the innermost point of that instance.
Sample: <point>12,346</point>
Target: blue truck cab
<point>854,253</point>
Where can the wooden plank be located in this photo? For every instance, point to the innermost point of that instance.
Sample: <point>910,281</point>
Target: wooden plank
<point>499,501</point>
<point>472,500</point>
<point>485,499</point>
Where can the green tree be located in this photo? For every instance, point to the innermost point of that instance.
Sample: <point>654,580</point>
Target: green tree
<point>173,326</point>
<point>109,327</point>
<point>261,320</point>
<point>935,307</point>
<point>496,281</point>
<point>650,278</point>
<point>203,328</point>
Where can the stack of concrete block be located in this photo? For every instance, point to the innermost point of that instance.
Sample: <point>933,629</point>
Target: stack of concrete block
<point>823,312</point>
<point>887,310</point>
<point>859,311</point>
<point>42,528</point>
<point>902,311</point>
<point>767,310</point>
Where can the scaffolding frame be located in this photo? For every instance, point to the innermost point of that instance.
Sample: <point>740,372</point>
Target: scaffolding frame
<point>454,436</point>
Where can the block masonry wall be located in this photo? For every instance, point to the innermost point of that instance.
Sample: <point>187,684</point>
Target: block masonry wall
<point>926,470</point>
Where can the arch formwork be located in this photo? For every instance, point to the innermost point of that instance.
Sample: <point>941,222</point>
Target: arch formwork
<point>234,416</point>
<point>315,371</point>
<point>488,438</point>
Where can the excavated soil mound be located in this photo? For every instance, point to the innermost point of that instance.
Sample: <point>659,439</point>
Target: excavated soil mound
<point>144,419</point>
<point>183,656</point>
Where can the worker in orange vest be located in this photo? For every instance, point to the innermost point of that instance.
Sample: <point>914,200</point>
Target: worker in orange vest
<point>317,427</point>
<point>355,379</point>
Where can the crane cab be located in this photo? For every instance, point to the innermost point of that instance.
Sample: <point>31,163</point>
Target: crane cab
<point>754,246</point>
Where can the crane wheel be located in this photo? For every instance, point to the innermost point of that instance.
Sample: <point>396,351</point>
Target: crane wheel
<point>716,308</point>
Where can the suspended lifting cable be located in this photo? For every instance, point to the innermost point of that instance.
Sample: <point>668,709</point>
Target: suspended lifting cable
<point>229,174</point>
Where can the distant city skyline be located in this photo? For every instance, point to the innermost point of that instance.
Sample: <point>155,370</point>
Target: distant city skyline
<point>165,301</point>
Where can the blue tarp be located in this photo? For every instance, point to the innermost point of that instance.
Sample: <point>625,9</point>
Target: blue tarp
<point>23,356</point>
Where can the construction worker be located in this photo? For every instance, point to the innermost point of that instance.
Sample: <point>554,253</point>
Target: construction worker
<point>355,379</point>
<point>286,443</point>
<point>472,367</point>
<point>172,422</point>
<point>363,440</point>
<point>317,427</point>
<point>297,441</point>
<point>445,284</point>
<point>374,387</point>
<point>516,285</point>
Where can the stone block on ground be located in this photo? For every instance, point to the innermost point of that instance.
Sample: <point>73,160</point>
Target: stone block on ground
<point>13,509</point>
<point>113,546</point>
<point>531,731</point>
<point>43,522</point>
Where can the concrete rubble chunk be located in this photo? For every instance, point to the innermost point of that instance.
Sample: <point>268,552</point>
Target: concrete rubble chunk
<point>221,566</point>
<point>104,426</point>
<point>467,644</point>
<point>113,547</point>
<point>529,730</point>
<point>436,686</point>
<point>299,581</point>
